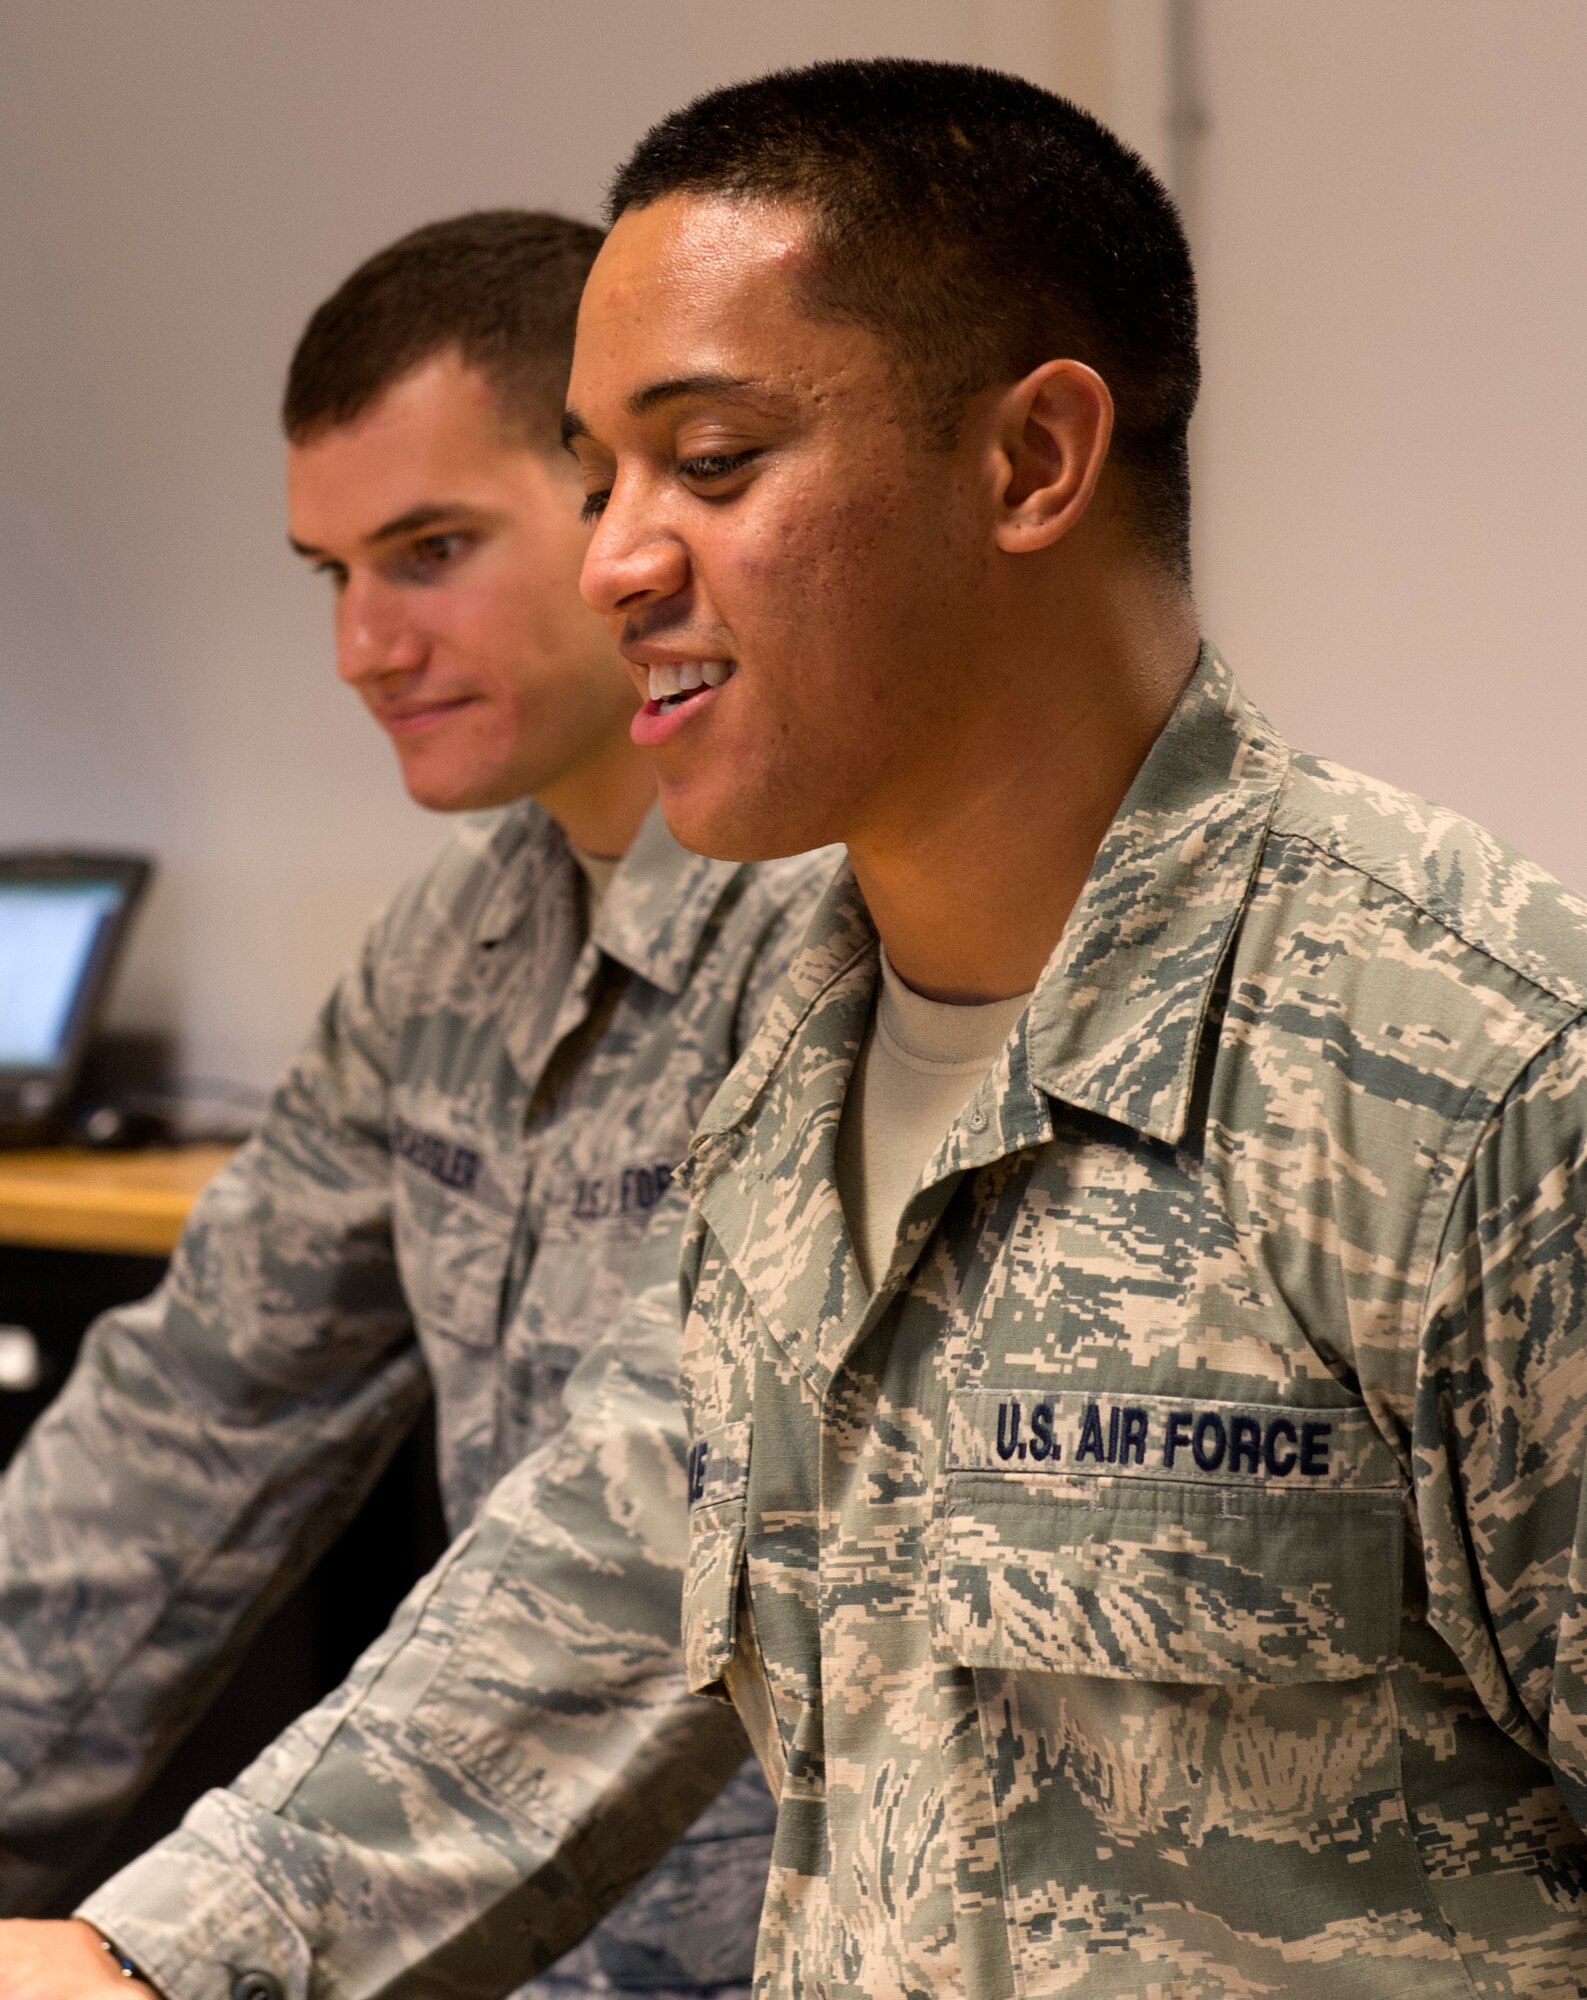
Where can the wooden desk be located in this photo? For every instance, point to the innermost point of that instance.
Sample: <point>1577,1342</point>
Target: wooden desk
<point>133,1202</point>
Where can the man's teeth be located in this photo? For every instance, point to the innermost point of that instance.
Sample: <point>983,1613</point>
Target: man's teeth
<point>670,681</point>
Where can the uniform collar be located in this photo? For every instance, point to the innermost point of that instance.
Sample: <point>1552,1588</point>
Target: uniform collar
<point>1116,1017</point>
<point>840,932</point>
<point>661,899</point>
<point>651,919</point>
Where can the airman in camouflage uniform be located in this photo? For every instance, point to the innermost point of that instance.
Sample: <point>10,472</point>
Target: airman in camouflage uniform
<point>1151,1560</point>
<point>442,1203</point>
<point>1173,1579</point>
<point>444,1198</point>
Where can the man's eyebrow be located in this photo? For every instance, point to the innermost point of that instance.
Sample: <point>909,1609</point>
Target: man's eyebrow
<point>432,514</point>
<point>643,401</point>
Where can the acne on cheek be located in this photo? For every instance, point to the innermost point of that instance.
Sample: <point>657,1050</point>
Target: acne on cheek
<point>813,526</point>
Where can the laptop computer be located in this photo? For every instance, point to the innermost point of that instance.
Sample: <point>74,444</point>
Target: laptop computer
<point>64,917</point>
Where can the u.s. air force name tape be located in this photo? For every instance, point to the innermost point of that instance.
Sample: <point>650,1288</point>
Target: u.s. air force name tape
<point>1031,1429</point>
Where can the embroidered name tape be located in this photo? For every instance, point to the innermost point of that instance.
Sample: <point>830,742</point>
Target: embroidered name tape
<point>1068,1431</point>
<point>454,1166</point>
<point>635,1191</point>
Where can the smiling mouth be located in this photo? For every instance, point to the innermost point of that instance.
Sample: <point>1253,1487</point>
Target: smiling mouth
<point>670,686</point>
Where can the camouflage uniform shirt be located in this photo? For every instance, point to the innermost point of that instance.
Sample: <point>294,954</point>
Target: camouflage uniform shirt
<point>444,1199</point>
<point>1172,1581</point>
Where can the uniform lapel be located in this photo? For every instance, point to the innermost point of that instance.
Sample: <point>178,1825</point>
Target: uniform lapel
<point>655,913</point>
<point>534,993</point>
<point>652,922</point>
<point>1116,1021</point>
<point>762,1166</point>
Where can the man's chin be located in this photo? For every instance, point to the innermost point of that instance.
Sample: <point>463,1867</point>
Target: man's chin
<point>731,828</point>
<point>449,791</point>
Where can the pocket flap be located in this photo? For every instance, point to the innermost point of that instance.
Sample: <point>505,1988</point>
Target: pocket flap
<point>1153,1581</point>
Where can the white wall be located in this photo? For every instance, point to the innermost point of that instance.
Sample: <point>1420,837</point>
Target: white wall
<point>1389,213</point>
<point>1392,453</point>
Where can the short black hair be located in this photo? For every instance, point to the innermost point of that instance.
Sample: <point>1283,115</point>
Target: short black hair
<point>977,224</point>
<point>500,287</point>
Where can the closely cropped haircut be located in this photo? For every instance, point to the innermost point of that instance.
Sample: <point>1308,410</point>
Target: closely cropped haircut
<point>978,225</point>
<point>499,288</point>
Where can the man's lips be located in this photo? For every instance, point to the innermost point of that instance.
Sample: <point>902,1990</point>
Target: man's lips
<point>412,717</point>
<point>672,706</point>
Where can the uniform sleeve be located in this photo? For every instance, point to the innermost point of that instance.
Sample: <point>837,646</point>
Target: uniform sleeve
<point>1501,1418</point>
<point>209,1443</point>
<point>502,1767</point>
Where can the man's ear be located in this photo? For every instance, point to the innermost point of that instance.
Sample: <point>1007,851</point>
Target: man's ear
<point>1052,432</point>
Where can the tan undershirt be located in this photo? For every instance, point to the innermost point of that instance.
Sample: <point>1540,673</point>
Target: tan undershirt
<point>597,870</point>
<point>920,1064</point>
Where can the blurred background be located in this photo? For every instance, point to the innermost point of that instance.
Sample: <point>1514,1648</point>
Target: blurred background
<point>1389,209</point>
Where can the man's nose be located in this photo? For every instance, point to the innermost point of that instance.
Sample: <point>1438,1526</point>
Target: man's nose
<point>632,560</point>
<point>374,634</point>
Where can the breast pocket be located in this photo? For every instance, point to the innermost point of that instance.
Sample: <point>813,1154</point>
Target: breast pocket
<point>1187,1719</point>
<point>452,1250</point>
<point>1147,1581</point>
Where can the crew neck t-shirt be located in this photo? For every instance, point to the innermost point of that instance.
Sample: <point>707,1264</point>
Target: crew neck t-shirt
<point>920,1063</point>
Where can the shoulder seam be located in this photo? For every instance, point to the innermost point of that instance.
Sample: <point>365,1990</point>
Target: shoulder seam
<point>1462,1179</point>
<point>1575,1006</point>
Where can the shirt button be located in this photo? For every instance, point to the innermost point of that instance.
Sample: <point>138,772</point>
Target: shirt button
<point>977,1120</point>
<point>256,1986</point>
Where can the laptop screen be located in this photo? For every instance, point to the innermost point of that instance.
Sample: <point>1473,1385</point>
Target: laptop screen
<point>49,932</point>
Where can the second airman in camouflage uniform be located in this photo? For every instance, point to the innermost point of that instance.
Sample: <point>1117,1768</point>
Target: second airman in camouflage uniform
<point>445,1197</point>
<point>442,1203</point>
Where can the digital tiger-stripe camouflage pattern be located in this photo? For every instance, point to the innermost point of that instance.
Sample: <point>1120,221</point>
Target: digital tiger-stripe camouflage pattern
<point>444,1200</point>
<point>1172,1582</point>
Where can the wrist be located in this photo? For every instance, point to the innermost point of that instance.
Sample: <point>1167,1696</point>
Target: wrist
<point>123,1966</point>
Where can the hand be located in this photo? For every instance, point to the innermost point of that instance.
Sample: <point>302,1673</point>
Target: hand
<point>65,1961</point>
